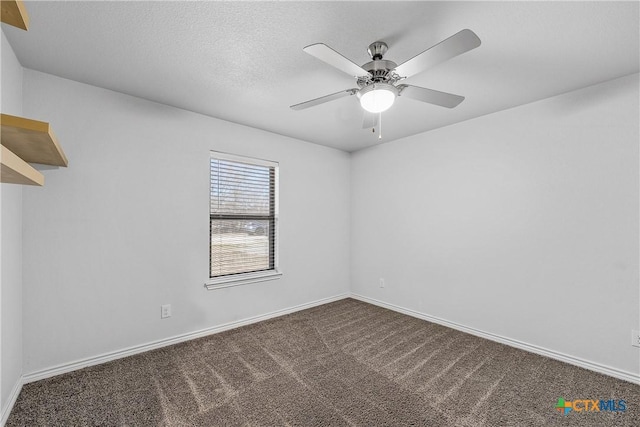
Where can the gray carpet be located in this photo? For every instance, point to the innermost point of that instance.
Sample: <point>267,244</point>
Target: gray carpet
<point>344,363</point>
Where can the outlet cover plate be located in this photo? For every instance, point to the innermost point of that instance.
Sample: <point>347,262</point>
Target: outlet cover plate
<point>165,311</point>
<point>635,338</point>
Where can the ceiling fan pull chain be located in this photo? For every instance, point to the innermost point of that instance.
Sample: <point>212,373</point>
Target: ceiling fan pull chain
<point>380,126</point>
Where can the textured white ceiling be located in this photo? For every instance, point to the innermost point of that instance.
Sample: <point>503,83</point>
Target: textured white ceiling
<point>243,61</point>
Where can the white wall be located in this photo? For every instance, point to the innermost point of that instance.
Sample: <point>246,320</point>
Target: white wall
<point>522,223</point>
<point>11,241</point>
<point>124,228</point>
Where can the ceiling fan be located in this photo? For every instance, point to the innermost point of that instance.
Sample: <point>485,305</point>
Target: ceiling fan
<point>378,80</point>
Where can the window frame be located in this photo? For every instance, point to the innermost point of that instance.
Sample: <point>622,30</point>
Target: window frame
<point>255,276</point>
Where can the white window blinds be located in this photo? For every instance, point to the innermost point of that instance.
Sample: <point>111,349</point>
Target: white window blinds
<point>243,215</point>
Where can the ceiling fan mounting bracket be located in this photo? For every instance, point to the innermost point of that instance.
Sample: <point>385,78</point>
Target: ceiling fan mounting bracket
<point>377,50</point>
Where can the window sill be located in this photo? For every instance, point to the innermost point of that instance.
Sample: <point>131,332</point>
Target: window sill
<point>245,279</point>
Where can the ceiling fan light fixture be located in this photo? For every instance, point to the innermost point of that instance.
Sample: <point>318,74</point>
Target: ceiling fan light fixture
<point>377,97</point>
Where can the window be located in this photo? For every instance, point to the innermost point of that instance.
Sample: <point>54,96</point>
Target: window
<point>243,220</point>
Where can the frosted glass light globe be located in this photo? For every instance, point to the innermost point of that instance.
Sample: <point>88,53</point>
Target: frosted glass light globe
<point>377,97</point>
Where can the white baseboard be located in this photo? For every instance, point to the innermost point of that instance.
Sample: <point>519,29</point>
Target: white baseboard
<point>103,358</point>
<point>107,357</point>
<point>6,410</point>
<point>592,366</point>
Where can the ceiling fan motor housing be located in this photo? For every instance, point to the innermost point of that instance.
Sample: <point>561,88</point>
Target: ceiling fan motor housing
<point>380,70</point>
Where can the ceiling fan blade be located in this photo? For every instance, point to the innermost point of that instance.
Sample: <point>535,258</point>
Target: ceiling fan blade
<point>333,58</point>
<point>370,120</point>
<point>455,45</point>
<point>430,96</point>
<point>323,99</point>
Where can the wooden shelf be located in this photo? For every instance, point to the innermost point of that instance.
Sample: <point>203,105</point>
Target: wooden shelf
<point>14,13</point>
<point>31,140</point>
<point>16,171</point>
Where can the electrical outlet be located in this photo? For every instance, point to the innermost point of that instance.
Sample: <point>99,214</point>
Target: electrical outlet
<point>165,311</point>
<point>381,282</point>
<point>635,338</point>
